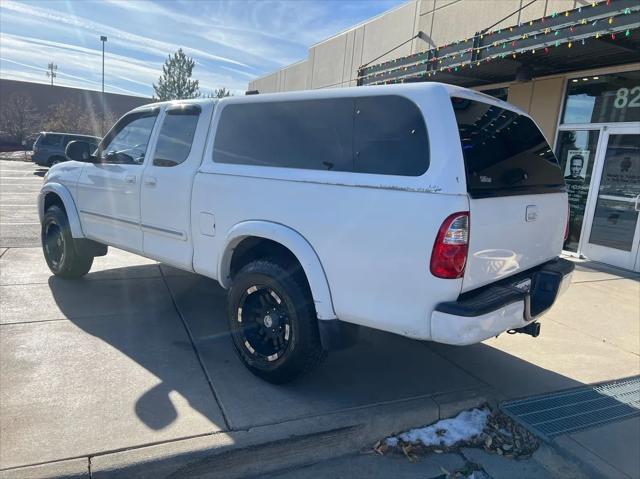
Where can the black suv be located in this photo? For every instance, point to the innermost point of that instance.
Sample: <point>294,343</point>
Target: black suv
<point>49,147</point>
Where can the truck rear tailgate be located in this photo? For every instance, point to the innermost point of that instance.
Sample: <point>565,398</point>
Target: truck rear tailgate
<point>511,234</point>
<point>517,199</point>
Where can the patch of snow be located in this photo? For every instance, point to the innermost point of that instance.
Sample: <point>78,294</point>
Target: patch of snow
<point>391,441</point>
<point>446,432</point>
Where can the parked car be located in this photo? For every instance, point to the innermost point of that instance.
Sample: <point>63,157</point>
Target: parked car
<point>426,210</point>
<point>49,147</point>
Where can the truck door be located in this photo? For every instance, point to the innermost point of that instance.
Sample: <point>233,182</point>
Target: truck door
<point>109,190</point>
<point>167,181</point>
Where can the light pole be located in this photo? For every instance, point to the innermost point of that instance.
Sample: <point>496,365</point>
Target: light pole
<point>103,39</point>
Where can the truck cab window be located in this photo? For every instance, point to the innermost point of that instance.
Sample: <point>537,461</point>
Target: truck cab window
<point>176,136</point>
<point>127,142</point>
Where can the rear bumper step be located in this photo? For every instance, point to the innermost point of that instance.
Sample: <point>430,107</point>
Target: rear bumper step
<point>509,304</point>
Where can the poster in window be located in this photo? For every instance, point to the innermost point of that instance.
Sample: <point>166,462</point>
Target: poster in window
<point>575,174</point>
<point>576,166</point>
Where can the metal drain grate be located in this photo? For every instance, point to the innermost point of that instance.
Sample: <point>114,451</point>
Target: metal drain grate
<point>551,415</point>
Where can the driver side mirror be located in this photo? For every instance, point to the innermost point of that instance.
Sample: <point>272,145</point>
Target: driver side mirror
<point>79,151</point>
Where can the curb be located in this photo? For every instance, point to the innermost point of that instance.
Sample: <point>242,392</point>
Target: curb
<point>592,465</point>
<point>264,449</point>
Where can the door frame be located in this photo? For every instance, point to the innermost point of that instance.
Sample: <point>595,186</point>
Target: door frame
<point>592,198</point>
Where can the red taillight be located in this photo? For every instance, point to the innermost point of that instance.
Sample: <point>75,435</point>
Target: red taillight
<point>566,226</point>
<point>449,256</point>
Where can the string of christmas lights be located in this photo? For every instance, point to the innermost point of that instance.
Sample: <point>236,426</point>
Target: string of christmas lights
<point>549,34</point>
<point>544,49</point>
<point>542,21</point>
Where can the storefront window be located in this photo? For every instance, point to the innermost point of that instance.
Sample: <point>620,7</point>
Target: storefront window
<point>603,98</point>
<point>576,151</point>
<point>615,217</point>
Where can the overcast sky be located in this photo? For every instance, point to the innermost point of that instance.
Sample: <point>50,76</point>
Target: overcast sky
<point>232,41</point>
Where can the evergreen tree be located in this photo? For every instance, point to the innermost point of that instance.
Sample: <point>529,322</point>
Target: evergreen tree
<point>221,93</point>
<point>175,82</point>
<point>218,93</point>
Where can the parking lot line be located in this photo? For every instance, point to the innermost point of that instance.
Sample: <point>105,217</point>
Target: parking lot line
<point>18,224</point>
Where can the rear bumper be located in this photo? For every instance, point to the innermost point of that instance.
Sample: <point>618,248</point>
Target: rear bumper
<point>508,304</point>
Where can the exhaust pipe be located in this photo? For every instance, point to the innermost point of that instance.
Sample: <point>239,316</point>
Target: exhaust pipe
<point>532,329</point>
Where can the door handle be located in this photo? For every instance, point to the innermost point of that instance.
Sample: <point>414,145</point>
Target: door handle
<point>150,181</point>
<point>131,179</point>
<point>637,206</point>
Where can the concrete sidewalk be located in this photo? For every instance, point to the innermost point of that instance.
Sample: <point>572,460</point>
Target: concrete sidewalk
<point>133,364</point>
<point>129,372</point>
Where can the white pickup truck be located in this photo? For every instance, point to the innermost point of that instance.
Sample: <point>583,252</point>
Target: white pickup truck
<point>426,210</point>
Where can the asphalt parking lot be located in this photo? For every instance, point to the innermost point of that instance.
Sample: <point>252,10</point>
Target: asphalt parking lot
<point>19,186</point>
<point>132,366</point>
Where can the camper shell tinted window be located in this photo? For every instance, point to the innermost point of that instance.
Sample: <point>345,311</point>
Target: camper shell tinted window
<point>380,135</point>
<point>504,152</point>
<point>308,134</point>
<point>390,137</point>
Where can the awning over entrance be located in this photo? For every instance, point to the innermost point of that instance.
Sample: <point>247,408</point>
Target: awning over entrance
<point>601,34</point>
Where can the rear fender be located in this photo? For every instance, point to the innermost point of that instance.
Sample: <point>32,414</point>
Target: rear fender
<point>297,244</point>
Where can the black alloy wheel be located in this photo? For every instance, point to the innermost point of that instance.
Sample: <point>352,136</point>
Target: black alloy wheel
<point>60,250</point>
<point>53,243</point>
<point>273,322</point>
<point>266,327</point>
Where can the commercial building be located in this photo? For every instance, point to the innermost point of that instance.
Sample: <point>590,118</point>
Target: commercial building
<point>44,97</point>
<point>574,65</point>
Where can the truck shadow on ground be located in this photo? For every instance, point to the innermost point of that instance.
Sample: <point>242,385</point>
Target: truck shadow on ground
<point>174,326</point>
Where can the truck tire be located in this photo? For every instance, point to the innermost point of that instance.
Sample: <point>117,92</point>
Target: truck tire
<point>59,247</point>
<point>273,321</point>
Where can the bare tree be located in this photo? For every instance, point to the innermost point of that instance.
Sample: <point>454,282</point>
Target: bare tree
<point>65,117</point>
<point>18,117</point>
<point>68,117</point>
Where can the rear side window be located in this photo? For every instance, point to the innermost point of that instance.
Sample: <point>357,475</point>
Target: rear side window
<point>68,139</point>
<point>381,135</point>
<point>50,140</point>
<point>176,135</point>
<point>390,137</point>
<point>309,134</point>
<point>504,152</point>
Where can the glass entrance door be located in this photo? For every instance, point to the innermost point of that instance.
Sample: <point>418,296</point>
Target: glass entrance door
<point>612,233</point>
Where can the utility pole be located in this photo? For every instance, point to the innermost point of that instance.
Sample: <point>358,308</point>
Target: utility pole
<point>51,71</point>
<point>103,39</point>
